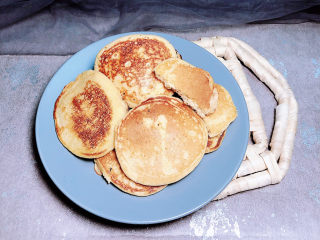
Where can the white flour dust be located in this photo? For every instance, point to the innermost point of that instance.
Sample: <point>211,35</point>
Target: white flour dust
<point>214,222</point>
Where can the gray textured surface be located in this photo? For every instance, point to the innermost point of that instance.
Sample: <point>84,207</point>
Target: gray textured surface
<point>31,207</point>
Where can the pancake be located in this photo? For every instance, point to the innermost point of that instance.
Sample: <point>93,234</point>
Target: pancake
<point>129,62</point>
<point>215,142</point>
<point>97,170</point>
<point>160,141</point>
<point>224,114</point>
<point>194,85</point>
<point>111,170</point>
<point>86,114</point>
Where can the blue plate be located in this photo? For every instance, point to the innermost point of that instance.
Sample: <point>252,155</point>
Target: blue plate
<point>76,178</point>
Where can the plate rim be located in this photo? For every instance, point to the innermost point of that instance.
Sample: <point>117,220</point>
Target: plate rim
<point>87,208</point>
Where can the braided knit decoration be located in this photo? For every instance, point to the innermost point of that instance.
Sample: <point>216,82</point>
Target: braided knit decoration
<point>261,166</point>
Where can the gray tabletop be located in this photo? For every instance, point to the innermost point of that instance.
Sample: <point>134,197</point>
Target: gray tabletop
<point>31,207</point>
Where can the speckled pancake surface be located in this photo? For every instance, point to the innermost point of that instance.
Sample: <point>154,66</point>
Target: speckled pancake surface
<point>86,114</point>
<point>215,142</point>
<point>112,172</point>
<point>224,114</point>
<point>129,62</point>
<point>160,141</point>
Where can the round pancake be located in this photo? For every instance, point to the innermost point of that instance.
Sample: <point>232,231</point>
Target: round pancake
<point>193,84</point>
<point>160,141</point>
<point>224,114</point>
<point>215,142</point>
<point>129,62</point>
<point>111,170</point>
<point>86,114</point>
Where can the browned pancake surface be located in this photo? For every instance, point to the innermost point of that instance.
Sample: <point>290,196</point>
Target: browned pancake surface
<point>130,63</point>
<point>215,142</point>
<point>91,115</point>
<point>86,114</point>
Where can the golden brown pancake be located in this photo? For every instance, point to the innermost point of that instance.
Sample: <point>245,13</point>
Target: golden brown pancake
<point>215,142</point>
<point>129,62</point>
<point>194,85</point>
<point>160,141</point>
<point>224,114</point>
<point>86,114</point>
<point>111,170</point>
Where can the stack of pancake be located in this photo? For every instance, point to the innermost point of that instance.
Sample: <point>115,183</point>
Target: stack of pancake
<point>162,138</point>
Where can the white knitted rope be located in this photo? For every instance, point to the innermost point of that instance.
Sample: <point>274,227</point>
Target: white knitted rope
<point>260,167</point>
